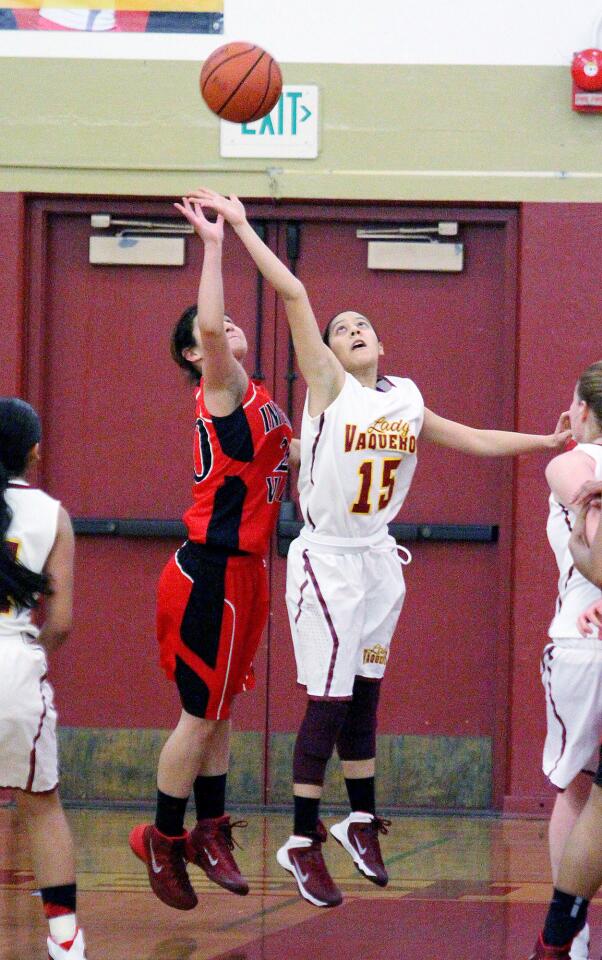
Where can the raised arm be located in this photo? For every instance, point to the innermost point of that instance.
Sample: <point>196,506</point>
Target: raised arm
<point>224,379</point>
<point>58,607</point>
<point>319,367</point>
<point>490,443</point>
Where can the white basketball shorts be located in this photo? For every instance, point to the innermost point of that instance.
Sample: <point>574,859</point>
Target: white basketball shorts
<point>28,748</point>
<point>343,605</point>
<point>571,672</point>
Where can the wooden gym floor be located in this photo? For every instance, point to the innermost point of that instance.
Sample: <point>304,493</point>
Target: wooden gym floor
<point>461,888</point>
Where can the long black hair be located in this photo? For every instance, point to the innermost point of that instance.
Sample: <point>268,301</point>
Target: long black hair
<point>182,336</point>
<point>19,432</point>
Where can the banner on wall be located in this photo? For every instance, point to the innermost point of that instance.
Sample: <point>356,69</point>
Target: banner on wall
<point>117,16</point>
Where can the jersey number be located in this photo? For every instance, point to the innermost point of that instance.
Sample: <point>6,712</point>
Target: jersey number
<point>363,503</point>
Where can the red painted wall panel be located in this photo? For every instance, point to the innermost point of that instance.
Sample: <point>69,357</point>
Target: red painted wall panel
<point>11,292</point>
<point>560,334</point>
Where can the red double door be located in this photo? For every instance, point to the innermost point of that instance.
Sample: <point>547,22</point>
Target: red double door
<point>118,419</point>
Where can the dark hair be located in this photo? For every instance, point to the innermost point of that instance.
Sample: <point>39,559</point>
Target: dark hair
<point>19,432</point>
<point>326,331</point>
<point>589,389</point>
<point>182,337</point>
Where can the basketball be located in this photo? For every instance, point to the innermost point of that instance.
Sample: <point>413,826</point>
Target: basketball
<point>240,82</point>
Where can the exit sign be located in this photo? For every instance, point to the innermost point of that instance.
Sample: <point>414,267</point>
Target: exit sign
<point>290,130</point>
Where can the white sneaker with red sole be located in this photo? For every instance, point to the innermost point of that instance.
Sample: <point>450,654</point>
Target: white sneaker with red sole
<point>77,950</point>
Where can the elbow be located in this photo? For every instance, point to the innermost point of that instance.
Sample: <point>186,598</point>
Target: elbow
<point>294,291</point>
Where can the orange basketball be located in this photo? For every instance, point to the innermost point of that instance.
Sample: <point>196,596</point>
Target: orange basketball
<point>240,82</point>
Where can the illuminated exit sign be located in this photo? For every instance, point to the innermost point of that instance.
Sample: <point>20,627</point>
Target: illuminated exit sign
<point>290,130</point>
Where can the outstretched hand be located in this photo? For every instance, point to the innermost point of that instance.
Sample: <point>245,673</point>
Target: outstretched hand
<point>230,208</point>
<point>206,229</point>
<point>562,433</point>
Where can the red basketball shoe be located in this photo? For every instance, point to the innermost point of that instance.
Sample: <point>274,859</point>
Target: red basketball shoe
<point>302,856</point>
<point>358,835</point>
<point>164,859</point>
<point>209,845</point>
<point>544,952</point>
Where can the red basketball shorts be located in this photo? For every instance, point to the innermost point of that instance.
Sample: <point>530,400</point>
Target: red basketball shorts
<point>211,612</point>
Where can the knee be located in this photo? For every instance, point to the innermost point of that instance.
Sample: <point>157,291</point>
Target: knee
<point>316,739</point>
<point>357,738</point>
<point>38,804</point>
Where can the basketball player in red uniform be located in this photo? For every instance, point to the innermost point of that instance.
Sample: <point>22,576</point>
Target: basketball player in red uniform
<point>213,594</point>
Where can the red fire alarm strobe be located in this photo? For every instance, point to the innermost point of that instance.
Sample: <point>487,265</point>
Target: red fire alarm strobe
<point>586,70</point>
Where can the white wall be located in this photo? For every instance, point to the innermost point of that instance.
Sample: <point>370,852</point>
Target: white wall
<point>530,32</point>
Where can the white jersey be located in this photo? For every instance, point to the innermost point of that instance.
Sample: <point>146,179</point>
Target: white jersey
<point>358,458</point>
<point>32,530</point>
<point>575,593</point>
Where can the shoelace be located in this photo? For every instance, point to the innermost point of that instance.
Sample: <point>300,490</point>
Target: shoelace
<point>226,829</point>
<point>380,825</point>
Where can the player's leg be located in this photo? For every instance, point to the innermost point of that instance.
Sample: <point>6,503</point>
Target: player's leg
<point>572,678</point>
<point>210,844</point>
<point>162,845</point>
<point>325,605</point>
<point>567,807</point>
<point>579,877</point>
<point>302,855</point>
<point>189,613</point>
<point>358,834</point>
<point>29,761</point>
<point>53,862</point>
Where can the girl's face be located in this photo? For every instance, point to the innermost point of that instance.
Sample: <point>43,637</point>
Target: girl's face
<point>354,342</point>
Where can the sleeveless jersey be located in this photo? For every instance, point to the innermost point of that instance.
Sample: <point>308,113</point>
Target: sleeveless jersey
<point>575,593</point>
<point>240,471</point>
<point>358,457</point>
<point>31,533</point>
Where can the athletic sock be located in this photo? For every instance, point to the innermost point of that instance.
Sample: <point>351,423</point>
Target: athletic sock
<point>307,810</point>
<point>566,917</point>
<point>169,819</point>
<point>361,794</point>
<point>59,906</point>
<point>210,796</point>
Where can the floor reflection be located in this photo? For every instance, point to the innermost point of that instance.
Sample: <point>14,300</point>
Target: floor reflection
<point>461,888</point>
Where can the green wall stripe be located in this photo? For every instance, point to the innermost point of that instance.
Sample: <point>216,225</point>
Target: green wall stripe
<point>412,771</point>
<point>387,132</point>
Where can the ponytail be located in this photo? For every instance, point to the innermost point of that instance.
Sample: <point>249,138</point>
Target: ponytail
<point>19,432</point>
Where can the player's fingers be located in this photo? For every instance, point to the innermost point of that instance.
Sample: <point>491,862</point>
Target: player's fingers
<point>589,489</point>
<point>583,626</point>
<point>184,210</point>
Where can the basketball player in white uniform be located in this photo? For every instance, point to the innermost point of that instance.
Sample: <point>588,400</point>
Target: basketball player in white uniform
<point>571,662</point>
<point>36,557</point>
<point>345,586</point>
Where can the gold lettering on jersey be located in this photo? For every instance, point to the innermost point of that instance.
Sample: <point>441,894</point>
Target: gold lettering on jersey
<point>375,654</point>
<point>383,434</point>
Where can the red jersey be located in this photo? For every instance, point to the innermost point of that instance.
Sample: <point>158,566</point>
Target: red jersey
<point>240,471</point>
